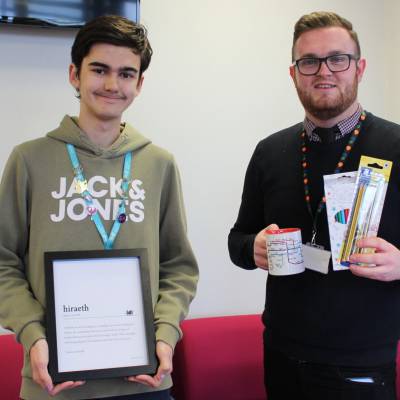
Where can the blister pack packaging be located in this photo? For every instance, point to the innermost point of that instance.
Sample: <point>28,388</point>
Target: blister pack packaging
<point>368,199</point>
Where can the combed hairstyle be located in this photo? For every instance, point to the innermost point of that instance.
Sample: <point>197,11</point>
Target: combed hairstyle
<point>115,30</point>
<point>323,19</point>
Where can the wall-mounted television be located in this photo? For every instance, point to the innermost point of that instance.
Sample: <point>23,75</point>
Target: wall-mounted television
<point>64,13</point>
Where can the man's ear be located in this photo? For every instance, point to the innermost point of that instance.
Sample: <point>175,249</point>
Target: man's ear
<point>292,72</point>
<point>361,65</point>
<point>73,76</point>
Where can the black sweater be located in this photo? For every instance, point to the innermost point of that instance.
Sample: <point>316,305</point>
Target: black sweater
<point>336,318</point>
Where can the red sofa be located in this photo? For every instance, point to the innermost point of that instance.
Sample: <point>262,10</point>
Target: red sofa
<point>218,358</point>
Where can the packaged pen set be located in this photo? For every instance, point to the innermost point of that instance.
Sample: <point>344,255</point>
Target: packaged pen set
<point>369,196</point>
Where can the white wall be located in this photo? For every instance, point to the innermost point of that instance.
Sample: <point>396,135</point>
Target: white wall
<point>392,53</point>
<point>218,83</point>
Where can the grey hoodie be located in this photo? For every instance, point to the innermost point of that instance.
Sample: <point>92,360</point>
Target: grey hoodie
<point>41,211</point>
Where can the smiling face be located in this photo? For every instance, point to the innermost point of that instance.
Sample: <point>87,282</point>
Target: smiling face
<point>327,95</point>
<point>108,81</point>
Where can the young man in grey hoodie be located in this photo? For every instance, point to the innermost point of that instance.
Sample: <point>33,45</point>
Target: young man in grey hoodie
<point>47,210</point>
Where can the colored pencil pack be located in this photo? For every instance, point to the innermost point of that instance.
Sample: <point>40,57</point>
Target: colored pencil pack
<point>368,199</point>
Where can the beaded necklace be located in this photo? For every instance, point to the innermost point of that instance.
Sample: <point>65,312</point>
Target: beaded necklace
<point>339,168</point>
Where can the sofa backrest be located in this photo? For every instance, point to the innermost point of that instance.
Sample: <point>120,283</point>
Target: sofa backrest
<point>220,358</point>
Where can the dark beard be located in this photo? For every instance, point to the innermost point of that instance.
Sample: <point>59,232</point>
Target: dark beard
<point>325,112</point>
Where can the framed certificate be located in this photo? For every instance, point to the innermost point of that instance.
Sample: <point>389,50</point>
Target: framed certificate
<point>99,314</point>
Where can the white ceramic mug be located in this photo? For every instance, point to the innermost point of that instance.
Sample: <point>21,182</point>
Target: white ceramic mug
<point>284,251</point>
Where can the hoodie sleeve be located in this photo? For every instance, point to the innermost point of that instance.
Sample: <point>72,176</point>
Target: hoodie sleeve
<point>19,310</point>
<point>178,268</point>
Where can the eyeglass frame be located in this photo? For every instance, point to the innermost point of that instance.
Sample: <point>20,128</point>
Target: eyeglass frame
<point>325,60</point>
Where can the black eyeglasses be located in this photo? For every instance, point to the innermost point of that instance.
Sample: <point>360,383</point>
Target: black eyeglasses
<point>335,63</point>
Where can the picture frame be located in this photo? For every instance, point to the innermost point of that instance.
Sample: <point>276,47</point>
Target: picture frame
<point>99,317</point>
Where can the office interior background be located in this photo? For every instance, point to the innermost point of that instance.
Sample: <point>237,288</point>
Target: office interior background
<point>218,83</point>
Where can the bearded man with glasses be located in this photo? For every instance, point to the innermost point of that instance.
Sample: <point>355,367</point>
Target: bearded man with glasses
<point>328,335</point>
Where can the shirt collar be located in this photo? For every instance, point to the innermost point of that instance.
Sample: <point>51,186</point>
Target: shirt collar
<point>345,126</point>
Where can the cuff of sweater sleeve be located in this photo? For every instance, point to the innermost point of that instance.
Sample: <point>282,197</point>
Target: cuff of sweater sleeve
<point>168,334</point>
<point>250,251</point>
<point>30,334</point>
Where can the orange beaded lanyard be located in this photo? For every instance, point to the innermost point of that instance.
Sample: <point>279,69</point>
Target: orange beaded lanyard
<point>339,167</point>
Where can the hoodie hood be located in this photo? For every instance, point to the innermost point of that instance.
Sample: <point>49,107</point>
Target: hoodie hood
<point>69,132</point>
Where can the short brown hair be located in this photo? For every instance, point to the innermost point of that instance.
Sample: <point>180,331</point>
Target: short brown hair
<point>323,19</point>
<point>116,30</point>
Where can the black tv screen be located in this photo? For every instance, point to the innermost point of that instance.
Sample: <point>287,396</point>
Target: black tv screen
<point>64,13</point>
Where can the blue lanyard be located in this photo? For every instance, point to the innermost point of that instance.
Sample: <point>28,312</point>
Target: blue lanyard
<point>82,188</point>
